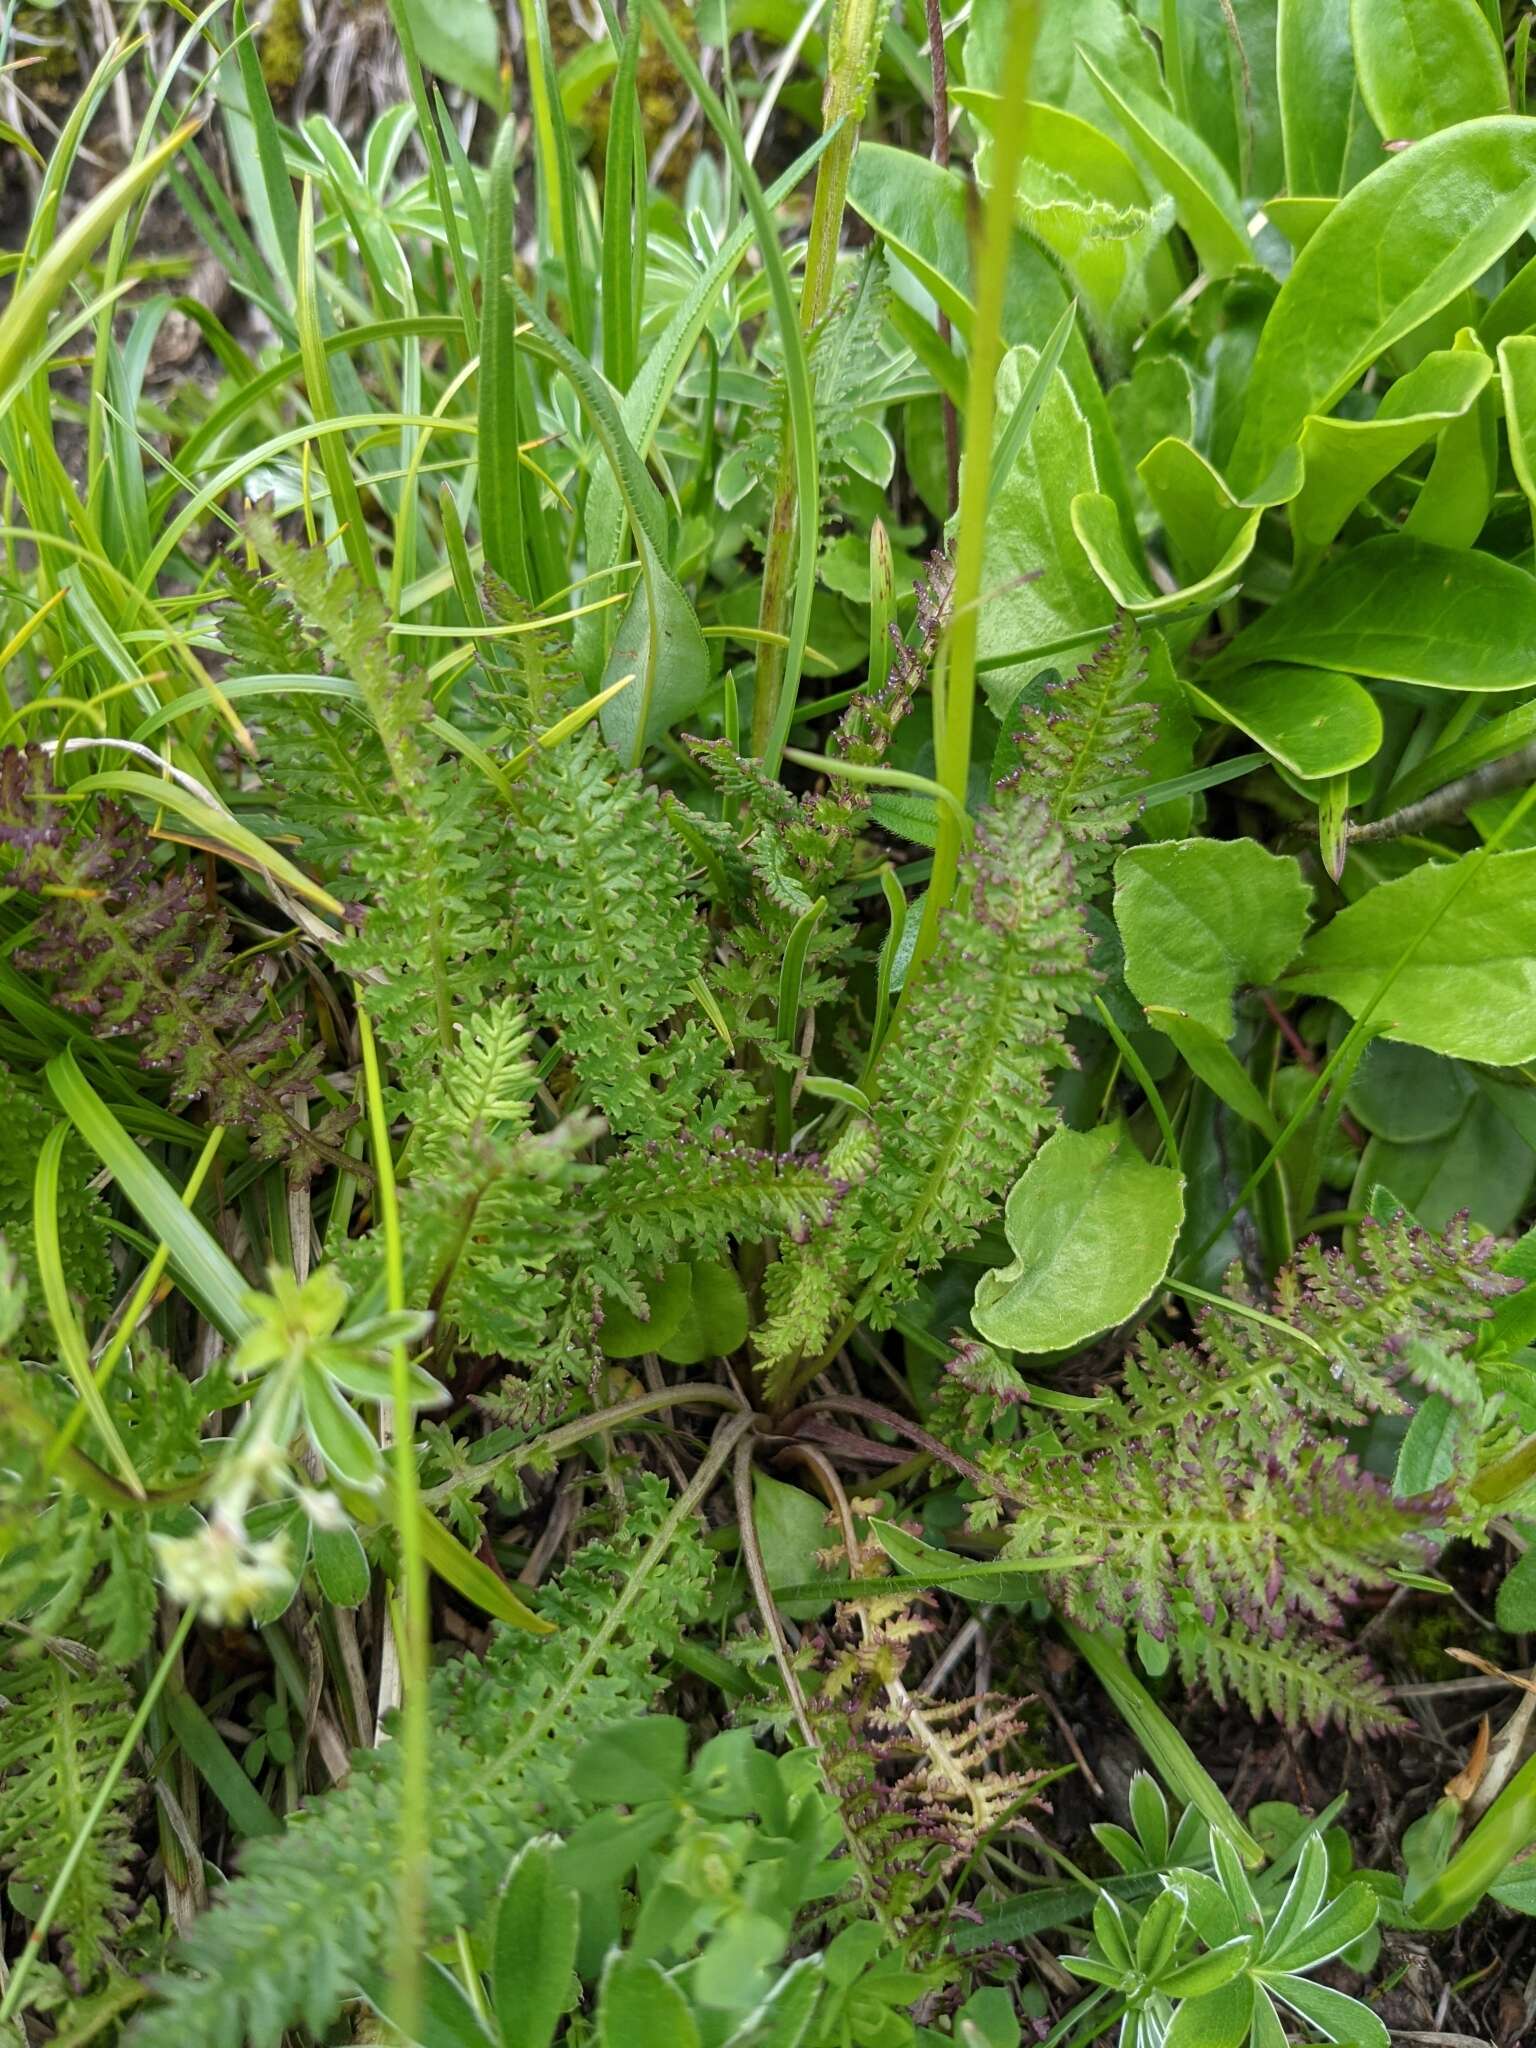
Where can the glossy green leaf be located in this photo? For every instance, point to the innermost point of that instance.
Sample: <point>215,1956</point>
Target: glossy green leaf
<point>639,2006</point>
<point>469,1575</point>
<point>1469,988</point>
<point>1402,244</point>
<point>1092,1226</point>
<point>1321,114</point>
<point>1344,460</point>
<point>1201,918</point>
<point>1517,378</point>
<point>1429,1452</point>
<point>1041,583</point>
<point>534,1949</point>
<point>1405,610</point>
<point>1481,1165</point>
<point>1426,64</point>
<point>1515,1609</point>
<point>642,1759</point>
<point>1406,1094</point>
<point>922,214</point>
<point>1214,1062</point>
<point>1101,536</point>
<point>1315,722</point>
<point>1082,197</point>
<point>1201,518</point>
<point>1203,195</point>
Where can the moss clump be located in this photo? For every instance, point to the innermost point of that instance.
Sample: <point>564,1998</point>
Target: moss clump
<point>282,47</point>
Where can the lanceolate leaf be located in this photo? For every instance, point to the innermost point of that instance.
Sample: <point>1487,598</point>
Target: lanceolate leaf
<point>1395,250</point>
<point>1405,609</point>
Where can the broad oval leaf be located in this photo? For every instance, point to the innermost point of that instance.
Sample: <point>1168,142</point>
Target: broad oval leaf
<point>534,1949</point>
<point>1396,249</point>
<point>1092,1226</point>
<point>1426,64</point>
<point>1201,918</point>
<point>1316,722</point>
<point>641,2007</point>
<point>1084,199</point>
<point>623,1334</point>
<point>1408,611</point>
<point>1469,987</point>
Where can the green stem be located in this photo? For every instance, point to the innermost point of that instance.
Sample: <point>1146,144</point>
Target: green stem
<point>413,1637</point>
<point>954,681</point>
<point>852,50</point>
<point>92,1821</point>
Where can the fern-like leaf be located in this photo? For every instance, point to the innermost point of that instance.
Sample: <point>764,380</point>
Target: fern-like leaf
<point>312,1912</point>
<point>1078,750</point>
<point>606,931</point>
<point>62,1720</point>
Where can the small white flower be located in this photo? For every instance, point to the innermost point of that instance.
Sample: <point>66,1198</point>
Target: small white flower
<point>221,1572</point>
<point>324,1510</point>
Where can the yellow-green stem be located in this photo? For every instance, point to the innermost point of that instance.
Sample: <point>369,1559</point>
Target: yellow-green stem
<point>412,1634</point>
<point>853,49</point>
<point>954,681</point>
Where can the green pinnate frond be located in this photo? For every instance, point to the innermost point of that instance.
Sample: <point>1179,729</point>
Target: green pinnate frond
<point>687,1195</point>
<point>137,949</point>
<point>484,1085</point>
<point>605,929</point>
<point>428,844</point>
<point>1305,1682</point>
<point>1078,749</point>
<point>62,1719</point>
<point>491,1233</point>
<point>1288,1539</point>
<point>1339,1337</point>
<point>261,632</point>
<point>961,1089</point>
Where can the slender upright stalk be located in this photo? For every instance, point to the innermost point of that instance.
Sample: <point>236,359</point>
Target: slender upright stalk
<point>939,64</point>
<point>954,681</point>
<point>851,52</point>
<point>121,1757</point>
<point>414,1637</point>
